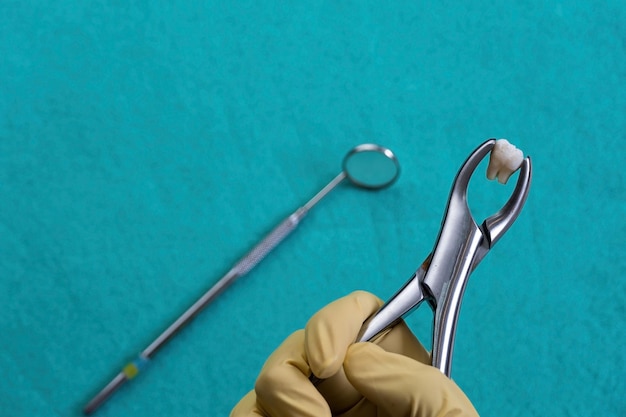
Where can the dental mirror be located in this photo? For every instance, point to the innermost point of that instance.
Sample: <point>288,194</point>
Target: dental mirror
<point>367,166</point>
<point>371,166</point>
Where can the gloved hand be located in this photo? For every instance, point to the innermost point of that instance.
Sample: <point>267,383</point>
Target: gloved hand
<point>391,377</point>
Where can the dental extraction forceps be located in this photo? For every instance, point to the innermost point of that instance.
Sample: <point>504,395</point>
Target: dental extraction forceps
<point>442,277</point>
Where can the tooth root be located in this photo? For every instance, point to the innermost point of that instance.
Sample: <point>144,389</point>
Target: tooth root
<point>492,170</point>
<point>503,177</point>
<point>504,160</point>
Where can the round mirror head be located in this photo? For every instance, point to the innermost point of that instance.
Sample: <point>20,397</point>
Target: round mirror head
<point>371,166</point>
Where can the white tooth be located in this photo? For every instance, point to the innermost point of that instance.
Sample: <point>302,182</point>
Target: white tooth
<point>493,167</point>
<point>504,160</point>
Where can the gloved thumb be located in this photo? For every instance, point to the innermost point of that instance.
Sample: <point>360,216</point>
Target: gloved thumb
<point>402,386</point>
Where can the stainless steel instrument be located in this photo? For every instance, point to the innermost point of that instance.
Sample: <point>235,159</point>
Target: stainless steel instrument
<point>461,245</point>
<point>442,277</point>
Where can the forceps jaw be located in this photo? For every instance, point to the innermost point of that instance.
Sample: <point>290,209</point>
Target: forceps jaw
<point>495,226</point>
<point>460,247</point>
<point>455,242</point>
<point>458,228</point>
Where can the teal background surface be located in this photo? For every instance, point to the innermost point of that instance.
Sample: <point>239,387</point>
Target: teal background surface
<point>146,145</point>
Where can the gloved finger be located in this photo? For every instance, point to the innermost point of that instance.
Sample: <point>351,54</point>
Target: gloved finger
<point>283,387</point>
<point>401,340</point>
<point>363,408</point>
<point>332,329</point>
<point>247,407</point>
<point>402,386</point>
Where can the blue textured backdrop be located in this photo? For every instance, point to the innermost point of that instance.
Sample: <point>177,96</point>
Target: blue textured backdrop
<point>145,146</point>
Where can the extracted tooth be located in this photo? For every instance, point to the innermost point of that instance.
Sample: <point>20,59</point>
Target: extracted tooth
<point>504,160</point>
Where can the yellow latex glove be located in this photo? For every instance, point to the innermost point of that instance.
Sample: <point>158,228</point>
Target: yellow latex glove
<point>390,378</point>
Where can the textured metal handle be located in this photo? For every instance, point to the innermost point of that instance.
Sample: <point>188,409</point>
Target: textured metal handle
<point>269,242</point>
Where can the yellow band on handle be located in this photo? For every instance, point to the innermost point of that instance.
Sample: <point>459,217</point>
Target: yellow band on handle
<point>132,369</point>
